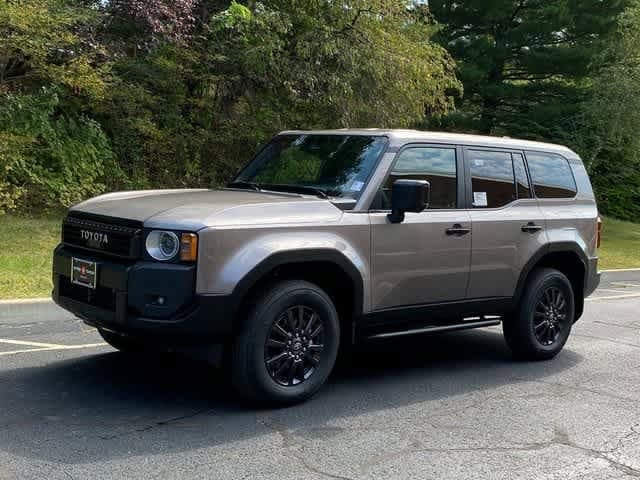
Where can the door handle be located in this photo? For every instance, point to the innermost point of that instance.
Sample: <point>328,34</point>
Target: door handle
<point>458,230</point>
<point>531,228</point>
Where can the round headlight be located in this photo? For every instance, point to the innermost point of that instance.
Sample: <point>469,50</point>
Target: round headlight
<point>162,245</point>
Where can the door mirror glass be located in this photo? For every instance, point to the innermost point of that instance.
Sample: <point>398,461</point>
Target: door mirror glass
<point>408,196</point>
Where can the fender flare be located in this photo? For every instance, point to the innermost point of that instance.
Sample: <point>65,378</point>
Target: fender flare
<point>283,258</point>
<point>554,247</point>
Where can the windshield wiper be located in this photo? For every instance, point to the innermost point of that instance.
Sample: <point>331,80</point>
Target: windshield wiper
<point>297,189</point>
<point>245,185</point>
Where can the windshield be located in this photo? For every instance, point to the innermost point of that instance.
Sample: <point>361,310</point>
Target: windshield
<point>332,165</point>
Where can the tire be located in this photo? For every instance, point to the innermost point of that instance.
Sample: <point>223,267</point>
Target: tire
<point>122,343</point>
<point>541,324</point>
<point>287,346</point>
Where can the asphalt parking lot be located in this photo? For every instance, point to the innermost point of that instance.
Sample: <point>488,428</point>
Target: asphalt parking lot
<point>448,406</point>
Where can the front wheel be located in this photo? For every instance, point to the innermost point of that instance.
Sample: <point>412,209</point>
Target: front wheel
<point>542,322</point>
<point>288,345</point>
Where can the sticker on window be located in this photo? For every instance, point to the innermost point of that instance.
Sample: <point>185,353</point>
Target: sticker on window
<point>478,162</point>
<point>480,199</point>
<point>356,186</point>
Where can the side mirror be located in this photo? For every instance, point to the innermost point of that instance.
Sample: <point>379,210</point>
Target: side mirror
<point>408,196</point>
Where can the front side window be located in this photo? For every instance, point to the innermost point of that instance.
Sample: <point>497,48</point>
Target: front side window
<point>437,165</point>
<point>335,165</point>
<point>551,175</point>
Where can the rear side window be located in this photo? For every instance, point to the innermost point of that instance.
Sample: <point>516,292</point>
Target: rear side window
<point>492,178</point>
<point>437,165</point>
<point>551,175</point>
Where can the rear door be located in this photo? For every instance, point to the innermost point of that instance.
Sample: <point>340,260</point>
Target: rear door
<point>508,224</point>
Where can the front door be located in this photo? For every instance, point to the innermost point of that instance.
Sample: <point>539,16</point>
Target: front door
<point>426,258</point>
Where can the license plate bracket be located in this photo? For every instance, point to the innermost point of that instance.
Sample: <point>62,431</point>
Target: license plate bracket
<point>84,272</point>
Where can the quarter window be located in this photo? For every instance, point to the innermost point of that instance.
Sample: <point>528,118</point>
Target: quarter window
<point>436,165</point>
<point>551,175</point>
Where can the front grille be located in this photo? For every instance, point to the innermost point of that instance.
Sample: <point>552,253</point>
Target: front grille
<point>110,236</point>
<point>101,297</point>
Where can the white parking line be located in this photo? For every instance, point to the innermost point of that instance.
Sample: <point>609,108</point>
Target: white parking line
<point>613,297</point>
<point>30,344</point>
<point>626,284</point>
<point>43,347</point>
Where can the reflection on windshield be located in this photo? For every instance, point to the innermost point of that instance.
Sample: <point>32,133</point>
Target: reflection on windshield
<point>338,165</point>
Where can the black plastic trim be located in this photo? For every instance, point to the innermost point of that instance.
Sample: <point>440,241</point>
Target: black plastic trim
<point>296,257</point>
<point>590,281</point>
<point>431,316</point>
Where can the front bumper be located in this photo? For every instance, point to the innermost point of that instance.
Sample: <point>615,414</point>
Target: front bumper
<point>125,294</point>
<point>592,277</point>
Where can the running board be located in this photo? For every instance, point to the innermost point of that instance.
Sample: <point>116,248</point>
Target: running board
<point>442,328</point>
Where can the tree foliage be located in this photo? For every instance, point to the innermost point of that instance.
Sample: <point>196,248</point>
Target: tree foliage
<point>525,64</point>
<point>99,95</point>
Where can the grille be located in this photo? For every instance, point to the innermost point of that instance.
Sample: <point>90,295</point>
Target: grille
<point>110,236</point>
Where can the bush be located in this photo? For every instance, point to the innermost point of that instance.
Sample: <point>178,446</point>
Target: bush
<point>49,160</point>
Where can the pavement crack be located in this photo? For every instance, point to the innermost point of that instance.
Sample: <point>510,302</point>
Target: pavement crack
<point>604,339</point>
<point>579,388</point>
<point>290,442</point>
<point>152,426</point>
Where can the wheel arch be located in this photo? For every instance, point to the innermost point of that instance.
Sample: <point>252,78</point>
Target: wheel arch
<point>566,257</point>
<point>329,269</point>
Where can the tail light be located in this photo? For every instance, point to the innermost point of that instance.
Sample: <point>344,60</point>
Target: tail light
<point>599,235</point>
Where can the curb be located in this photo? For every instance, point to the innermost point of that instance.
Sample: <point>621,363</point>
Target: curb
<point>32,309</point>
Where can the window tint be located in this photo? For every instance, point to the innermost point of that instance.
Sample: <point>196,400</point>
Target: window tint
<point>433,164</point>
<point>551,175</point>
<point>492,178</point>
<point>522,182</point>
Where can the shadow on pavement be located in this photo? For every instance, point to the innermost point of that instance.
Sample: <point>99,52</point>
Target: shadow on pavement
<point>111,406</point>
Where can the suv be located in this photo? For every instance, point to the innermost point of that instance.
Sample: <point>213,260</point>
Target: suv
<point>330,238</point>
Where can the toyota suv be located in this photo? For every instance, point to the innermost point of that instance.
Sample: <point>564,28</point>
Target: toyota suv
<point>331,238</point>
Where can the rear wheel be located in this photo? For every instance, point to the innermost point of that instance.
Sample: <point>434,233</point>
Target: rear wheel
<point>542,322</point>
<point>288,345</point>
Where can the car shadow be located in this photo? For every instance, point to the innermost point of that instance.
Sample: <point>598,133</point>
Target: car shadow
<point>109,406</point>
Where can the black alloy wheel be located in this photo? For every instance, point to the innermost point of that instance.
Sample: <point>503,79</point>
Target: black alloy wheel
<point>550,318</point>
<point>543,317</point>
<point>294,345</point>
<point>287,346</point>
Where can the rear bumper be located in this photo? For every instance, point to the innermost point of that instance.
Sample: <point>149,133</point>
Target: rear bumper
<point>592,277</point>
<point>124,300</point>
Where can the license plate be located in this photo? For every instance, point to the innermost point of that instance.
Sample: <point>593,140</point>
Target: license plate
<point>84,272</point>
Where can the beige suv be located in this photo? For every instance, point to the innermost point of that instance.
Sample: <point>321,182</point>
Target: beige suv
<point>331,238</point>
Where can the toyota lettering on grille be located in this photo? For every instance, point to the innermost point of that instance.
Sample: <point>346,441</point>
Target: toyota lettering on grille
<point>95,239</point>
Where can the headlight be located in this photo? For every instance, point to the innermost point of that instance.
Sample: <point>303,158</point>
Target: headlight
<point>162,245</point>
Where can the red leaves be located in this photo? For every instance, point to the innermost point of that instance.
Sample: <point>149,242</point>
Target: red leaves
<point>171,20</point>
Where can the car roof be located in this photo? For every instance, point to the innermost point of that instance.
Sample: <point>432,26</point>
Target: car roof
<point>400,137</point>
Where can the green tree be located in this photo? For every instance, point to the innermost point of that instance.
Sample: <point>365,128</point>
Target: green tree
<point>606,134</point>
<point>190,113</point>
<point>51,153</point>
<point>525,64</point>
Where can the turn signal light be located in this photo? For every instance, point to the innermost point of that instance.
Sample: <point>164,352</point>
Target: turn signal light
<point>599,236</point>
<point>188,247</point>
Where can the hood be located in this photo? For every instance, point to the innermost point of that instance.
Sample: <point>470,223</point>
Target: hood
<point>197,209</point>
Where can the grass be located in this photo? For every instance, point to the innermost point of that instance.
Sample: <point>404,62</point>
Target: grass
<point>620,245</point>
<point>26,246</point>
